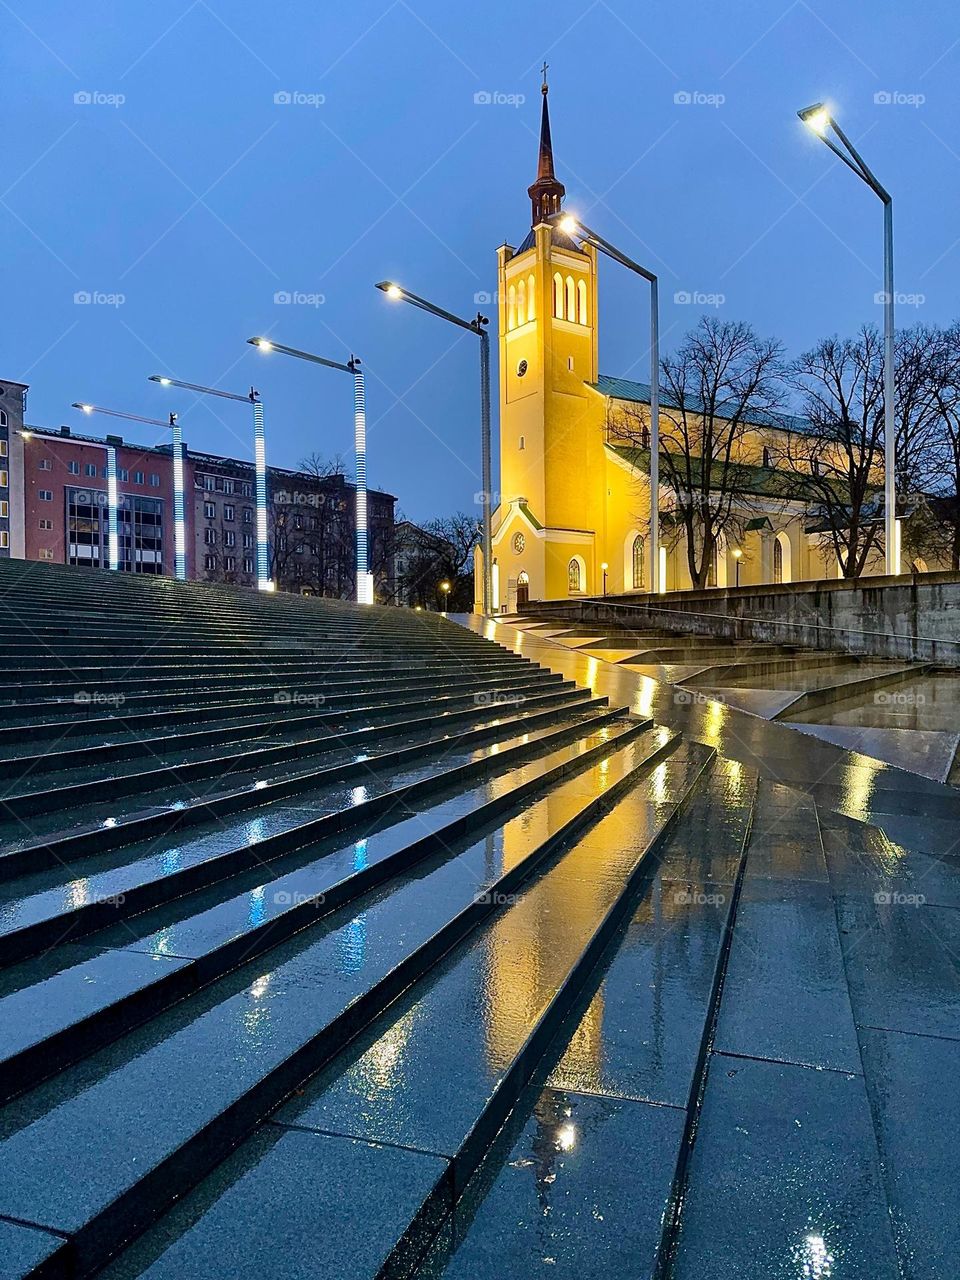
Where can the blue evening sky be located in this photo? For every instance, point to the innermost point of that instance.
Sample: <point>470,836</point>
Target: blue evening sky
<point>184,189</point>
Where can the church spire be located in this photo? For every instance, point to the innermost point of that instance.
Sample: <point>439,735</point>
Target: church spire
<point>547,193</point>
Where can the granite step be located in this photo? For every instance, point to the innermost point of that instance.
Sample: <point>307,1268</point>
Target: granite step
<point>76,1159</point>
<point>43,909</point>
<point>79,997</point>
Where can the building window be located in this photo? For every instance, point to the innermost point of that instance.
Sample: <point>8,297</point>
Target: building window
<point>154,480</point>
<point>46,524</point>
<point>522,303</point>
<point>511,308</point>
<point>210,537</point>
<point>123,474</point>
<point>229,512</point>
<point>46,553</point>
<point>558,296</point>
<point>4,509</point>
<point>90,470</point>
<point>209,511</point>
<point>3,448</point>
<point>777,558</point>
<point>229,538</point>
<point>581,302</point>
<point>573,576</point>
<point>138,477</point>
<point>209,562</point>
<point>45,495</point>
<point>766,457</point>
<point>521,445</point>
<point>247,565</point>
<point>4,539</point>
<point>531,295</point>
<point>208,483</point>
<point>248,541</point>
<point>571,295</point>
<point>3,417</point>
<point>638,565</point>
<point>73,468</point>
<point>229,563</point>
<point>44,465</point>
<point>248,515</point>
<point>4,480</point>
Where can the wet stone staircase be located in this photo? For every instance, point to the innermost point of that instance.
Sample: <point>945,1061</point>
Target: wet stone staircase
<point>342,942</point>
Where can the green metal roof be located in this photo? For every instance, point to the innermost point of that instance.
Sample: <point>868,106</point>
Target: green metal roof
<point>639,393</point>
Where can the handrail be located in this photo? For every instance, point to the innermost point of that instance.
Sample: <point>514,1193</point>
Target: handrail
<point>766,622</point>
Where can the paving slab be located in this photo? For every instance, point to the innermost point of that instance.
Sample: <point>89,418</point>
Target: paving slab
<point>912,1081</point>
<point>581,1195</point>
<point>784,1181</point>
<point>927,752</point>
<point>27,1252</point>
<point>765,703</point>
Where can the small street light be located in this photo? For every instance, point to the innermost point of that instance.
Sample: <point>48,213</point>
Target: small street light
<point>259,462</point>
<point>446,589</point>
<point>738,556</point>
<point>819,119</point>
<point>179,525</point>
<point>352,366</point>
<point>477,326</point>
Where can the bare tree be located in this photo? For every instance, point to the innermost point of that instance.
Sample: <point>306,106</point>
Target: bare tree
<point>936,529</point>
<point>444,552</point>
<point>835,464</point>
<point>723,381</point>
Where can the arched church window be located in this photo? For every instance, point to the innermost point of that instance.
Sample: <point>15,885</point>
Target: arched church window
<point>766,456</point>
<point>571,299</point>
<point>521,303</point>
<point>573,576</point>
<point>777,558</point>
<point>511,308</point>
<point>581,302</point>
<point>522,444</point>
<point>531,295</point>
<point>638,565</point>
<point>558,296</point>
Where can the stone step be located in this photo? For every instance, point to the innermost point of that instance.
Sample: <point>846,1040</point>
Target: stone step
<point>77,1159</point>
<point>78,997</point>
<point>282,724</point>
<point>595,1141</point>
<point>171,798</point>
<point>39,909</point>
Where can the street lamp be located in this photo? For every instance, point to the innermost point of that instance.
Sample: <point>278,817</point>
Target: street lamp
<point>399,294</point>
<point>604,567</point>
<point>445,588</point>
<point>259,460</point>
<point>179,525</point>
<point>819,119</point>
<point>738,556</point>
<point>574,227</point>
<point>352,366</point>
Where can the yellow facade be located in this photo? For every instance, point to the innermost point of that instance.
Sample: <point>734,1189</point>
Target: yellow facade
<point>569,502</point>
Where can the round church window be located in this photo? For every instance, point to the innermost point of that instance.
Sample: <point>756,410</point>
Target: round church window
<point>519,542</point>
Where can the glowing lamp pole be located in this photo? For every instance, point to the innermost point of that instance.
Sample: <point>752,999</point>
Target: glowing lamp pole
<point>445,588</point>
<point>819,119</point>
<point>179,527</point>
<point>259,460</point>
<point>476,326</point>
<point>738,556</point>
<point>352,366</point>
<point>574,227</point>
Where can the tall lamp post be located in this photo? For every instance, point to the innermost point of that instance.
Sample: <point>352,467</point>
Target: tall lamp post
<point>477,326</point>
<point>819,119</point>
<point>179,525</point>
<point>352,366</point>
<point>574,227</point>
<point>259,460</point>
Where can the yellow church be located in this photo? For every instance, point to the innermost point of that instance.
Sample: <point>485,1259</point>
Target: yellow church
<point>573,511</point>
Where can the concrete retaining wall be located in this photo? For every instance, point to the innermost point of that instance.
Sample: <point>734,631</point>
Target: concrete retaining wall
<point>909,618</point>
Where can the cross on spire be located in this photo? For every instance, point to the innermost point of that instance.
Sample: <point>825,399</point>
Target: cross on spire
<point>543,72</point>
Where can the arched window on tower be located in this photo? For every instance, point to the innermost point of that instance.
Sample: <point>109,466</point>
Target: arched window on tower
<point>558,296</point>
<point>573,576</point>
<point>638,565</point>
<point>766,456</point>
<point>531,295</point>
<point>571,299</point>
<point>777,560</point>
<point>522,303</point>
<point>511,308</point>
<point>581,302</point>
